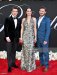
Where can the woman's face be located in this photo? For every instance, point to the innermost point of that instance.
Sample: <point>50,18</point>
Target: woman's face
<point>28,12</point>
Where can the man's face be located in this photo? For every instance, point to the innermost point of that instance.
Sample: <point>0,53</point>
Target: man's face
<point>42,12</point>
<point>14,12</point>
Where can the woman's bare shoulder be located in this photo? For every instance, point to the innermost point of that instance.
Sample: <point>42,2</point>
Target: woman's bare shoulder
<point>34,18</point>
<point>23,19</point>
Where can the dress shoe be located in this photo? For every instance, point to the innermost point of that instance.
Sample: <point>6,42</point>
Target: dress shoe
<point>46,69</point>
<point>15,66</point>
<point>9,69</point>
<point>39,66</point>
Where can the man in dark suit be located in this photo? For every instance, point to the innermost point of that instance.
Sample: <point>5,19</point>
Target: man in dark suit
<point>12,28</point>
<point>43,32</point>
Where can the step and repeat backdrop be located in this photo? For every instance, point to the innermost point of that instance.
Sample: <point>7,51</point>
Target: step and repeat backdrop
<point>5,10</point>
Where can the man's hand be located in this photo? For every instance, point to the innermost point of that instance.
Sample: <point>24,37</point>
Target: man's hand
<point>8,39</point>
<point>45,42</point>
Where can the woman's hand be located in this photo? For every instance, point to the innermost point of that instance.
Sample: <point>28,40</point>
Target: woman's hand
<point>20,38</point>
<point>34,40</point>
<point>20,41</point>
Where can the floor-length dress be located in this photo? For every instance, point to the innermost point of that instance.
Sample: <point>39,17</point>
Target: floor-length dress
<point>28,55</point>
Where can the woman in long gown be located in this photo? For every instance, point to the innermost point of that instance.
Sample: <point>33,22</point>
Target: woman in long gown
<point>28,35</point>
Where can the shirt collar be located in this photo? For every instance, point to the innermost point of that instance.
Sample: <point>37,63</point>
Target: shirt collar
<point>41,17</point>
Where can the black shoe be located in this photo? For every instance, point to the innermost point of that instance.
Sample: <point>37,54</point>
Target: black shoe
<point>9,69</point>
<point>15,66</point>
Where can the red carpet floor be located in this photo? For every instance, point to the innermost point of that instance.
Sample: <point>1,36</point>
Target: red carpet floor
<point>52,69</point>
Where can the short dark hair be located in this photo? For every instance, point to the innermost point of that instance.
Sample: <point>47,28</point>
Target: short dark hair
<point>43,7</point>
<point>15,7</point>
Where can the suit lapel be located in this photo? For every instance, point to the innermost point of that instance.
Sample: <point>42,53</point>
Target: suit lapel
<point>13,21</point>
<point>41,22</point>
<point>37,22</point>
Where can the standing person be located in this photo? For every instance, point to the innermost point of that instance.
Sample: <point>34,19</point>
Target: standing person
<point>43,32</point>
<point>28,36</point>
<point>12,28</point>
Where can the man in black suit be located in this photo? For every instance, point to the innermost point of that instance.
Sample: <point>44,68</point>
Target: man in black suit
<point>12,28</point>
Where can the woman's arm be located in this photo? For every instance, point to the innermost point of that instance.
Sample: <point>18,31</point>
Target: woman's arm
<point>22,27</point>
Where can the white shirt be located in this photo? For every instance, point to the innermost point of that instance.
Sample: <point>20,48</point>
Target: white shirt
<point>15,21</point>
<point>40,20</point>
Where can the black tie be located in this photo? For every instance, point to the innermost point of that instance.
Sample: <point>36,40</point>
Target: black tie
<point>15,18</point>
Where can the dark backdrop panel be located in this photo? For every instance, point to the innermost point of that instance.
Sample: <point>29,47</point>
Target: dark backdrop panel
<point>5,10</point>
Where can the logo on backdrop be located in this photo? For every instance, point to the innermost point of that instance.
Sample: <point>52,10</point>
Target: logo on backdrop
<point>54,23</point>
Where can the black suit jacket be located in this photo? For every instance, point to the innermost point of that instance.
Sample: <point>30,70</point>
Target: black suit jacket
<point>10,30</point>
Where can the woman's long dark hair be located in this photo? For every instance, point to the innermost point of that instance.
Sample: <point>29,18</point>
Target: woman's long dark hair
<point>32,15</point>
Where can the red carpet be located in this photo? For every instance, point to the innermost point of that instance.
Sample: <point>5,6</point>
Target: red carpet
<point>3,69</point>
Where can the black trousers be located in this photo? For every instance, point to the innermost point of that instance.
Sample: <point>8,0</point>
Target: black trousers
<point>11,52</point>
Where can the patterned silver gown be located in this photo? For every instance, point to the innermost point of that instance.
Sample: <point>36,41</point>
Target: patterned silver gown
<point>28,55</point>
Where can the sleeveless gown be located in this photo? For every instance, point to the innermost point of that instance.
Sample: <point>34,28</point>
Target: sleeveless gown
<point>27,54</point>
